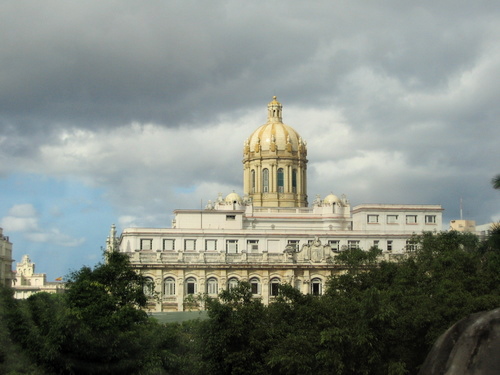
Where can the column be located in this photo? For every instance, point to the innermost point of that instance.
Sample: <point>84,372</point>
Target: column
<point>180,290</point>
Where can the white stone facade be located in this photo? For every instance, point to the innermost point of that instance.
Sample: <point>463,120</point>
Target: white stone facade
<point>270,235</point>
<point>27,282</point>
<point>5,260</point>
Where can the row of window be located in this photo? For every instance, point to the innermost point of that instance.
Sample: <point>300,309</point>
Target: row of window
<point>394,219</point>
<point>410,245</point>
<point>280,179</point>
<point>232,246</point>
<point>212,286</point>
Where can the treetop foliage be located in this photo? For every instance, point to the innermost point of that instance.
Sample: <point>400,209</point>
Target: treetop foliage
<point>377,317</point>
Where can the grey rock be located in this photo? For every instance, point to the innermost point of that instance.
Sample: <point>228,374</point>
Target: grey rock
<point>470,347</point>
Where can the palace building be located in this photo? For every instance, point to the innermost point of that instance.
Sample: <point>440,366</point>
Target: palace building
<point>269,234</point>
<point>27,282</point>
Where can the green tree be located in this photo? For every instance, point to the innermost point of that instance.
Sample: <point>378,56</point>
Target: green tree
<point>110,333</point>
<point>356,258</point>
<point>14,360</point>
<point>234,338</point>
<point>179,347</point>
<point>495,181</point>
<point>295,323</point>
<point>96,327</point>
<point>403,307</point>
<point>375,318</point>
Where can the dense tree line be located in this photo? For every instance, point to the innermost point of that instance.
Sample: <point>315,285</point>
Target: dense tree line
<point>376,318</point>
<point>97,327</point>
<point>381,321</point>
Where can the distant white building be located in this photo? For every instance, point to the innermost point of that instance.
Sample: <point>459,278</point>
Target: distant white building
<point>470,226</point>
<point>484,230</point>
<point>463,225</point>
<point>270,235</point>
<point>27,282</point>
<point>5,260</point>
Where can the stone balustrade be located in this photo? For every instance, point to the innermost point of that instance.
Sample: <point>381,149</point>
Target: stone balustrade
<point>163,257</point>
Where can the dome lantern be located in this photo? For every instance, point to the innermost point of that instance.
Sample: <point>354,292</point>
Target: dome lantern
<point>274,110</point>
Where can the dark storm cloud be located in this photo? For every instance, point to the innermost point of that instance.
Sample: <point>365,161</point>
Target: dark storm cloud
<point>94,63</point>
<point>415,85</point>
<point>108,63</point>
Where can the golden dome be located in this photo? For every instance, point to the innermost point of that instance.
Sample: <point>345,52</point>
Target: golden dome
<point>275,163</point>
<point>274,135</point>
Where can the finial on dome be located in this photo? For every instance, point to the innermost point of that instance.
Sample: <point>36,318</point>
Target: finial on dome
<point>274,110</point>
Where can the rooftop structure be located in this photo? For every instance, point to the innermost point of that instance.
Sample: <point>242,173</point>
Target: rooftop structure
<point>270,234</point>
<point>27,282</point>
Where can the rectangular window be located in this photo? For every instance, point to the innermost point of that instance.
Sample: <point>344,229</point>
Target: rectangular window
<point>169,286</point>
<point>294,244</point>
<point>411,245</point>
<point>255,288</point>
<point>352,244</point>
<point>168,244</point>
<point>392,219</point>
<point>230,217</point>
<point>372,219</point>
<point>231,246</point>
<point>389,245</point>
<point>253,246</point>
<point>190,288</point>
<point>281,181</point>
<point>255,285</point>
<point>316,288</point>
<point>189,245</point>
<point>334,245</point>
<point>212,286</point>
<point>210,245</point>
<point>411,219</point>
<point>265,180</point>
<point>146,244</point>
<point>430,219</point>
<point>274,289</point>
<point>375,243</point>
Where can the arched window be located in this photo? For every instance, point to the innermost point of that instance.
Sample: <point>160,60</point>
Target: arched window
<point>212,286</point>
<point>169,286</point>
<point>232,283</point>
<point>281,180</point>
<point>294,181</point>
<point>316,286</point>
<point>190,285</point>
<point>149,287</point>
<point>252,181</point>
<point>265,180</point>
<point>273,286</point>
<point>255,285</point>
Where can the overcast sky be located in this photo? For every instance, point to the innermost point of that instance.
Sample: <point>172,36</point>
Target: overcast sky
<point>121,111</point>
